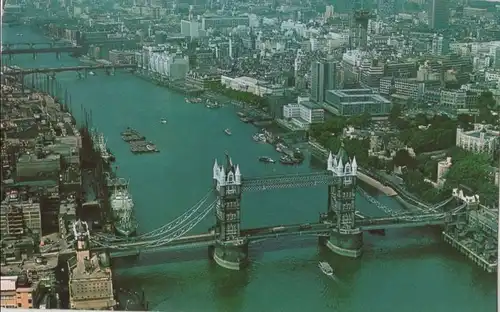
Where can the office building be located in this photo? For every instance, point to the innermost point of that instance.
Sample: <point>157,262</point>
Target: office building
<point>438,14</point>
<point>350,102</point>
<point>18,218</point>
<point>323,78</point>
<point>221,22</point>
<point>440,45</point>
<point>190,28</point>
<point>304,113</point>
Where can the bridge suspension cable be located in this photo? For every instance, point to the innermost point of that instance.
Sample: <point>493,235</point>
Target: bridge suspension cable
<point>163,230</point>
<point>186,227</point>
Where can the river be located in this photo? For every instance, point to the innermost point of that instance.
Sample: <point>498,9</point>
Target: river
<point>409,270</point>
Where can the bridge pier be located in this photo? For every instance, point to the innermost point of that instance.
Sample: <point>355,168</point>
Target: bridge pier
<point>345,243</point>
<point>232,255</point>
<point>58,55</point>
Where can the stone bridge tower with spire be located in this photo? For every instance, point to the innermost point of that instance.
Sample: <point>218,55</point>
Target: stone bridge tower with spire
<point>346,238</point>
<point>230,250</point>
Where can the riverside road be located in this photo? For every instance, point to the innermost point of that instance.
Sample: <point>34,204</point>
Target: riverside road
<point>408,270</point>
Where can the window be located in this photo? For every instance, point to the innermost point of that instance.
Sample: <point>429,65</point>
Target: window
<point>18,305</point>
<point>30,301</point>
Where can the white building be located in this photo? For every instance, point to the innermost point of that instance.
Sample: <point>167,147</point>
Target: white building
<point>304,113</point>
<point>165,64</point>
<point>251,85</point>
<point>479,140</point>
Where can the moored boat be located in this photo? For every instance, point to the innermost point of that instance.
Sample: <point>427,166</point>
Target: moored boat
<point>122,206</point>
<point>266,159</point>
<point>325,268</point>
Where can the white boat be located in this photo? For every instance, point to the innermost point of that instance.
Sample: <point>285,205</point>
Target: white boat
<point>259,137</point>
<point>228,132</point>
<point>122,205</point>
<point>325,268</point>
<point>91,73</point>
<point>163,120</point>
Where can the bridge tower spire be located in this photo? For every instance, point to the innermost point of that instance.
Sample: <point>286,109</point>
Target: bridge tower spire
<point>345,238</point>
<point>230,250</point>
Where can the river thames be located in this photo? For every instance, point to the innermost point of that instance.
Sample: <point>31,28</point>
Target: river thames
<point>409,270</point>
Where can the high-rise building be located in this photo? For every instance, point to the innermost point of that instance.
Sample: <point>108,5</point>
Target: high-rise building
<point>323,78</point>
<point>438,14</point>
<point>440,45</point>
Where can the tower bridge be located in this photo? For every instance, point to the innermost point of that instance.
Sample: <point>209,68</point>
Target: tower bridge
<point>340,228</point>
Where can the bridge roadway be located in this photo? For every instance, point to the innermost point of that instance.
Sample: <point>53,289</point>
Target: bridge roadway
<point>27,71</point>
<point>314,229</point>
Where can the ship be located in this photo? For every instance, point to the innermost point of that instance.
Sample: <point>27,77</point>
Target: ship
<point>325,268</point>
<point>266,159</point>
<point>228,132</point>
<point>100,147</point>
<point>122,206</point>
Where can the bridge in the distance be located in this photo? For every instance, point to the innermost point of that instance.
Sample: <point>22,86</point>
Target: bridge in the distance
<point>35,48</point>
<point>340,227</point>
<point>53,70</point>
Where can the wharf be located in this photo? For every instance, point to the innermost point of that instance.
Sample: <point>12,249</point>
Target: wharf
<point>463,247</point>
<point>142,147</point>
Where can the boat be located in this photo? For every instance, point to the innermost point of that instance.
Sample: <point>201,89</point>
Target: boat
<point>100,147</point>
<point>163,120</point>
<point>259,137</point>
<point>244,119</point>
<point>266,159</point>
<point>325,268</point>
<point>228,132</point>
<point>122,206</point>
<point>91,73</point>
<point>287,160</point>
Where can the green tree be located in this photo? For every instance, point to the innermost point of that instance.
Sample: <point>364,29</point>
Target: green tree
<point>396,112</point>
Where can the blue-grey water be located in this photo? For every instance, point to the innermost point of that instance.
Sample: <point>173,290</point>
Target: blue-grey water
<point>407,270</point>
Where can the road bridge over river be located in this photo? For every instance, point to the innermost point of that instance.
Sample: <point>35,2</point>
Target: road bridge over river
<point>340,227</point>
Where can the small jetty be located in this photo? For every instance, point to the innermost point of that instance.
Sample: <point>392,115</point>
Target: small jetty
<point>137,142</point>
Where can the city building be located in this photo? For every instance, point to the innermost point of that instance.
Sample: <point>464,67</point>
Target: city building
<point>90,277</point>
<point>438,14</point>
<point>38,167</point>
<point>17,217</point>
<point>349,102</point>
<point>251,85</point>
<point>323,78</point>
<point>479,140</point>
<point>190,29</point>
<point>442,168</point>
<point>220,22</point>
<point>458,99</point>
<point>17,292</point>
<point>304,113</point>
<point>440,45</point>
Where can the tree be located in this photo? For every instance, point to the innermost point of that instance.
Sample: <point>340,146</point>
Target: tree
<point>403,158</point>
<point>395,112</point>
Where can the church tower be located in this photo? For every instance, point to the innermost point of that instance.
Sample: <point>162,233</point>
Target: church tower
<point>230,250</point>
<point>346,238</point>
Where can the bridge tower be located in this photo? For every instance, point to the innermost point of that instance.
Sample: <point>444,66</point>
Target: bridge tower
<point>346,238</point>
<point>230,250</point>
